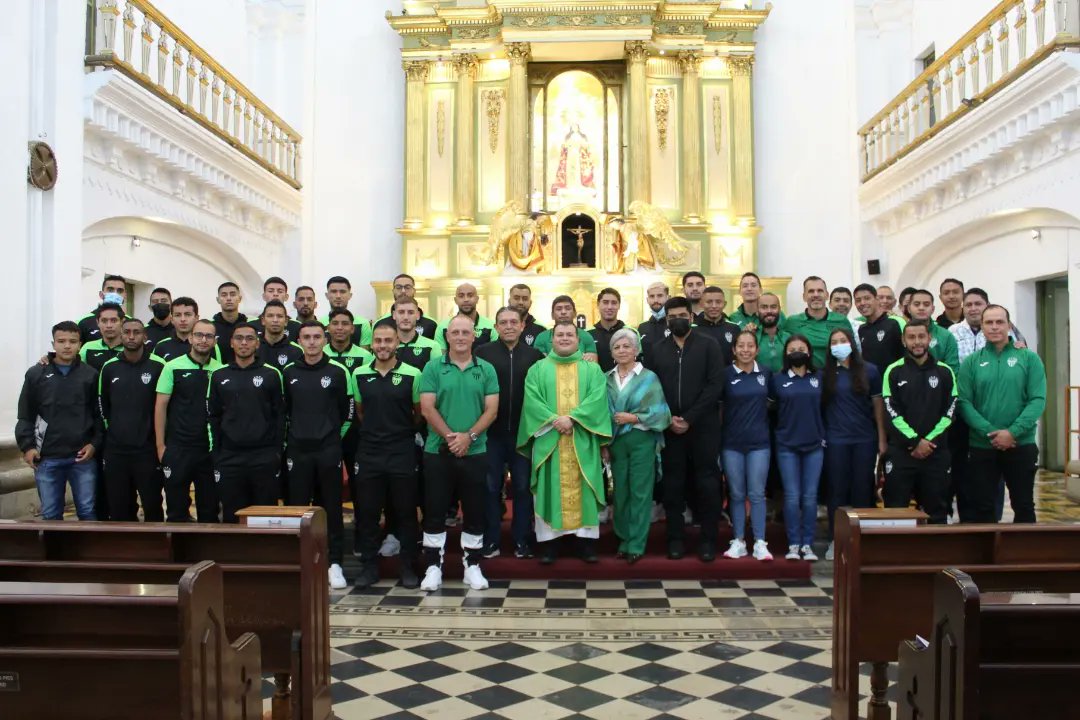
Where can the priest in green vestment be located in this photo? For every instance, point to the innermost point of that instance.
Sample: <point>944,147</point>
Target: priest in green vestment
<point>564,421</point>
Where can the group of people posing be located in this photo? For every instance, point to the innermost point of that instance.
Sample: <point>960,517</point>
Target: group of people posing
<point>582,422</point>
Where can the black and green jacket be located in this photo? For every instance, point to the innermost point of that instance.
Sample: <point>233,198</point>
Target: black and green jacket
<point>318,403</point>
<point>185,382</point>
<point>919,399</point>
<point>96,353</point>
<point>127,392</point>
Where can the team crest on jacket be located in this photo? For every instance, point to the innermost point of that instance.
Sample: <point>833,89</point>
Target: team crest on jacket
<point>813,382</point>
<point>727,336</point>
<point>880,335</point>
<point>419,330</point>
<point>761,380</point>
<point>282,359</point>
<point>417,350</point>
<point>146,377</point>
<point>397,379</point>
<point>166,471</point>
<point>888,467</point>
<point>933,380</point>
<point>217,476</point>
<point>288,463</point>
<point>529,339</point>
<point>1011,362</point>
<point>257,381</point>
<point>933,343</point>
<point>325,382</point>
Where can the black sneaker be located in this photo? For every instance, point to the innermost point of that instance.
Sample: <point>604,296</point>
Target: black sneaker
<point>369,575</point>
<point>548,552</point>
<point>523,551</point>
<point>587,550</point>
<point>675,550</point>
<point>408,575</point>
<point>490,551</point>
<point>706,552</point>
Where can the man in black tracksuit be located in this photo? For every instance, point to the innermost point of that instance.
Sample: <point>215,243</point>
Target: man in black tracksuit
<point>654,329</point>
<point>690,367</point>
<point>180,429</point>
<point>713,322</point>
<point>275,347</point>
<point>246,409</point>
<point>608,301</point>
<point>511,360</point>
<point>127,391</point>
<point>230,318</point>
<point>920,398</point>
<point>319,408</point>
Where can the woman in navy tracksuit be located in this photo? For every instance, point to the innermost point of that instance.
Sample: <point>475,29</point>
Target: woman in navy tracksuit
<point>800,439</point>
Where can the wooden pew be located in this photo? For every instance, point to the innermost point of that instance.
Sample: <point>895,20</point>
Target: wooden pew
<point>993,656</point>
<point>98,651</point>
<point>275,582</point>
<point>883,589</point>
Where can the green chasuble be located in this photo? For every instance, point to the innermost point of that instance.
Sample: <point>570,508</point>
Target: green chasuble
<point>566,476</point>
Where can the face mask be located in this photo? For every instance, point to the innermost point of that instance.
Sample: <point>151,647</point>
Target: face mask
<point>841,351</point>
<point>798,359</point>
<point>680,327</point>
<point>114,298</point>
<point>161,310</point>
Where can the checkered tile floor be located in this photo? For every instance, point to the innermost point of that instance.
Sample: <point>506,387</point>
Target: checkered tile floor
<point>576,649</point>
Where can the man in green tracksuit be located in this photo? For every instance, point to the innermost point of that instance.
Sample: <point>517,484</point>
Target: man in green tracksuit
<point>1002,397</point>
<point>942,342</point>
<point>818,322</point>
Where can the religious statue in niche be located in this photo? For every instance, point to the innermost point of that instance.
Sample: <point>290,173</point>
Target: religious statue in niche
<point>575,175</point>
<point>646,240</point>
<point>521,239</point>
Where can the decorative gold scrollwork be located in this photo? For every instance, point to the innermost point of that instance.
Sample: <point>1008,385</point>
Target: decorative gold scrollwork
<point>662,109</point>
<point>493,103</point>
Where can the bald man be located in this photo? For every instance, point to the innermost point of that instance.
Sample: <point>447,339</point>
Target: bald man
<point>466,299</point>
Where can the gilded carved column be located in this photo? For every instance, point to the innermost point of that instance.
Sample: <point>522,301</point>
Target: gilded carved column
<point>464,139</point>
<point>517,177</point>
<point>690,63</point>
<point>741,68</point>
<point>416,73</point>
<point>637,54</point>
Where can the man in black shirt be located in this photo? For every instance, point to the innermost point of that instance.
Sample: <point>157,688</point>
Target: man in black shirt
<point>387,396</point>
<point>275,347</point>
<point>511,360</point>
<point>113,290</point>
<point>109,343</point>
<point>246,410</point>
<point>276,289</point>
<point>414,348</point>
<point>713,322</point>
<point>59,429</point>
<point>185,313</point>
<point>404,288</point>
<point>521,300</point>
<point>305,304</point>
<point>608,301</point>
<point>879,335</point>
<point>230,318</point>
<point>160,325</point>
<point>951,294</point>
<point>127,392</point>
<point>319,407</point>
<point>690,367</point>
<point>654,329</point>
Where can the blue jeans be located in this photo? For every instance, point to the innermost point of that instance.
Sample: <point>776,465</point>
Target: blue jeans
<point>800,472</point>
<point>851,476</point>
<point>746,475</point>
<point>53,476</point>
<point>501,454</point>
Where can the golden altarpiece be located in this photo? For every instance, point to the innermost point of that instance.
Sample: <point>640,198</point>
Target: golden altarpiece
<point>574,146</point>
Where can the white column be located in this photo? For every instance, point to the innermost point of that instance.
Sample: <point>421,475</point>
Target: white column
<point>741,67</point>
<point>415,75</point>
<point>517,177</point>
<point>637,54</point>
<point>464,139</point>
<point>690,62</point>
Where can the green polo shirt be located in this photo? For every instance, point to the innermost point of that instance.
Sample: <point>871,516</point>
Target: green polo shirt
<point>817,331</point>
<point>459,397</point>
<point>771,349</point>
<point>586,342</point>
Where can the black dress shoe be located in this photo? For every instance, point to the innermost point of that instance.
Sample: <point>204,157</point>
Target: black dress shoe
<point>620,555</point>
<point>676,550</point>
<point>408,575</point>
<point>548,552</point>
<point>633,558</point>
<point>707,552</point>
<point>369,575</point>
<point>587,550</point>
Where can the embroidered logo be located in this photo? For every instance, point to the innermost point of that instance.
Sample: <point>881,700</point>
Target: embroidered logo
<point>225,381</point>
<point>49,375</point>
<point>371,379</point>
<point>529,339</point>
<point>813,382</point>
<point>933,381</point>
<point>294,381</point>
<point>416,351</point>
<point>888,467</point>
<point>146,378</point>
<point>166,471</point>
<point>288,463</point>
<point>217,476</point>
<point>880,335</point>
<point>787,384</point>
<point>727,336</point>
<point>1012,362</point>
<point>349,362</point>
<point>282,359</point>
<point>257,381</point>
<point>187,374</point>
<point>325,382</point>
<point>396,380</point>
<point>356,468</point>
<point>116,379</point>
<point>933,343</point>
<point>667,332</point>
<point>902,383</point>
<point>419,330</point>
<point>736,381</point>
<point>761,380</point>
<point>984,364</point>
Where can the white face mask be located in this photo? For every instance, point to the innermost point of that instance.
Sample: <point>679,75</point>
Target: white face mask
<point>841,351</point>
<point>114,298</point>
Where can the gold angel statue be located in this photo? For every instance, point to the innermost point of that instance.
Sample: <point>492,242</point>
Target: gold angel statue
<point>519,238</point>
<point>646,240</point>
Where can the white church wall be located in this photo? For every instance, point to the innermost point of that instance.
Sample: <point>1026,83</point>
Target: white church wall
<point>805,143</point>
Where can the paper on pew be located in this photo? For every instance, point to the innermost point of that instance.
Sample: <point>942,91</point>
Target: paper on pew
<point>866,522</point>
<point>263,521</point>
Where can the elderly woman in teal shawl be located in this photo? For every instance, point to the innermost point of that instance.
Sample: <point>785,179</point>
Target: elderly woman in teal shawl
<point>639,416</point>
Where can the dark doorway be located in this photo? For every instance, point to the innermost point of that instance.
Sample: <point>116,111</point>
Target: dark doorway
<point>579,242</point>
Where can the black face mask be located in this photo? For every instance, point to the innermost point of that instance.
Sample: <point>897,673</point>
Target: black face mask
<point>161,310</point>
<point>798,359</point>
<point>679,327</point>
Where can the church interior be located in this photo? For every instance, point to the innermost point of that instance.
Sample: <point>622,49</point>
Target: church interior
<point>570,146</point>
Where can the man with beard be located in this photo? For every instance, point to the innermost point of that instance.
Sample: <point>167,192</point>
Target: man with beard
<point>771,338</point>
<point>466,298</point>
<point>521,298</point>
<point>690,367</point>
<point>713,322</point>
<point>608,301</point>
<point>413,348</point>
<point>275,348</point>
<point>404,288</point>
<point>180,428</point>
<point>230,318</point>
<point>880,336</point>
<point>109,343</point>
<point>305,304</point>
<point>160,325</point>
<point>654,328</point>
<point>693,287</point>
<point>338,294</point>
<point>127,392</point>
<point>920,397</point>
<point>563,309</point>
<point>748,316</point>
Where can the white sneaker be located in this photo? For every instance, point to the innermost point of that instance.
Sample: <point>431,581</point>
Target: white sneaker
<point>761,551</point>
<point>337,577</point>
<point>792,552</point>
<point>604,515</point>
<point>808,553</point>
<point>736,550</point>
<point>657,512</point>
<point>390,547</point>
<point>474,578</point>
<point>432,579</point>
<point>829,552</point>
<point>687,516</point>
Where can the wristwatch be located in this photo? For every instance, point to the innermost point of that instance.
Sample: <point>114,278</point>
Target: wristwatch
<point>473,436</point>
